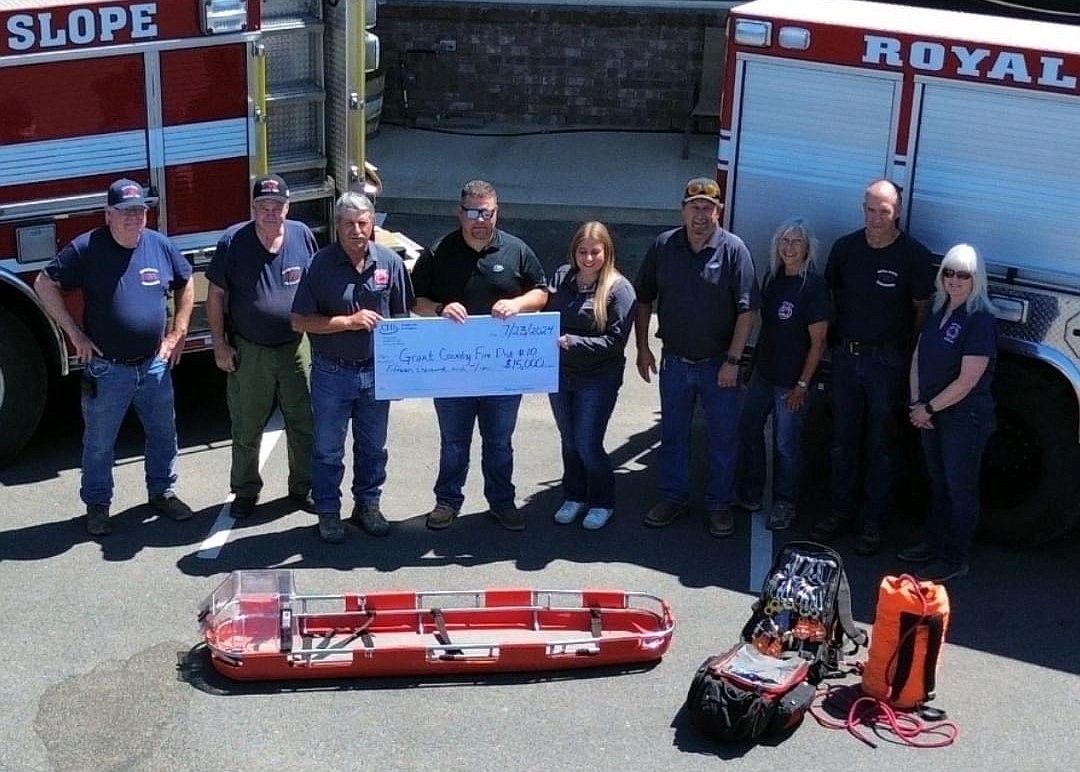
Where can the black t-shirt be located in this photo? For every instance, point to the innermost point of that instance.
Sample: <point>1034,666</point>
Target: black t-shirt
<point>124,289</point>
<point>591,351</point>
<point>260,284</point>
<point>943,347</point>
<point>699,295</point>
<point>454,272</point>
<point>874,289</point>
<point>789,305</point>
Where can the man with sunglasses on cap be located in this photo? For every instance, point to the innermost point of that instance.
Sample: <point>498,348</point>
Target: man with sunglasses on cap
<point>126,273</point>
<point>881,281</point>
<point>253,279</point>
<point>702,280</point>
<point>478,270</point>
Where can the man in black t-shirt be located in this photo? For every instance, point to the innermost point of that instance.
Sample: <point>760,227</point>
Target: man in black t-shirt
<point>881,281</point>
<point>253,279</point>
<point>477,270</point>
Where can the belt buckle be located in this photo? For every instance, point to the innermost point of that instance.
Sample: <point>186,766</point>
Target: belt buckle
<point>854,348</point>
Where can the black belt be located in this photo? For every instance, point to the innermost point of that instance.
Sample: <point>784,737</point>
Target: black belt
<point>690,360</point>
<point>857,348</point>
<point>352,364</point>
<point>129,361</point>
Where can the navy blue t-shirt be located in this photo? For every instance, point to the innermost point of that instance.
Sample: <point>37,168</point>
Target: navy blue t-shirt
<point>333,287</point>
<point>789,305</point>
<point>699,295</point>
<point>942,347</point>
<point>590,350</point>
<point>260,284</point>
<point>874,289</point>
<point>125,290</point>
<point>454,272</point>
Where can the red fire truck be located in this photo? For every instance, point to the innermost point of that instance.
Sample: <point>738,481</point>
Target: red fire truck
<point>977,118</point>
<point>190,97</point>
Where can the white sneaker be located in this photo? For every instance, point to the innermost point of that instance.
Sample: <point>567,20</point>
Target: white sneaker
<point>568,512</point>
<point>597,518</point>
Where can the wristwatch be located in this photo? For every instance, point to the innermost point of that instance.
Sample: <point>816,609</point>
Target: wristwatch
<point>439,309</point>
<point>802,384</point>
<point>731,360</point>
<point>928,408</point>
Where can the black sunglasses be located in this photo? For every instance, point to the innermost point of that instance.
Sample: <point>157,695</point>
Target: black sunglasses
<point>949,273</point>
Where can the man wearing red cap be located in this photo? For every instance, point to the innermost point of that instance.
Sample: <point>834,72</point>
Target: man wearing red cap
<point>126,273</point>
<point>253,279</point>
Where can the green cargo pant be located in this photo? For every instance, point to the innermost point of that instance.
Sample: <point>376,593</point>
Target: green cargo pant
<point>264,374</point>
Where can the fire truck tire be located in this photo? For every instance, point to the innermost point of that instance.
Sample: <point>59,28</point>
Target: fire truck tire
<point>23,385</point>
<point>1030,480</point>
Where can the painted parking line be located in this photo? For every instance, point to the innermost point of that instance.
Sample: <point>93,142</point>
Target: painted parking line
<point>222,527</point>
<point>761,549</point>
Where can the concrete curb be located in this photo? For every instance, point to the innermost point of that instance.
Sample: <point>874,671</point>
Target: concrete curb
<point>512,210</point>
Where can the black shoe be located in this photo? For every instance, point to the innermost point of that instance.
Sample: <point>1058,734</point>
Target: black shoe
<point>242,506</point>
<point>331,530</point>
<point>441,517</point>
<point>370,518</point>
<point>917,553</point>
<point>664,513</point>
<point>303,501</point>
<point>721,523</point>
<point>509,517</point>
<point>97,520</point>
<point>830,527</point>
<point>942,571</point>
<point>171,506</point>
<point>869,542</point>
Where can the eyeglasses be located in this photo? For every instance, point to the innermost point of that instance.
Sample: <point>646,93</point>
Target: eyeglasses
<point>949,273</point>
<point>479,214</point>
<point>702,187</point>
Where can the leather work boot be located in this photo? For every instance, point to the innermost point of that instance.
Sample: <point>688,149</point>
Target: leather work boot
<point>721,523</point>
<point>664,513</point>
<point>441,517</point>
<point>97,520</point>
<point>370,518</point>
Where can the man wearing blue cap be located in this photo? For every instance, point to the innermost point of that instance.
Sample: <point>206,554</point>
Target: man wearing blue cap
<point>253,279</point>
<point>126,273</point>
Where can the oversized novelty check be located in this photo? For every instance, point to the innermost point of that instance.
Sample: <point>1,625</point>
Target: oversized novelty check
<point>436,357</point>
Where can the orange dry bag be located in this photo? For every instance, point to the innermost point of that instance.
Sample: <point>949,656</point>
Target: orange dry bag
<point>909,630</point>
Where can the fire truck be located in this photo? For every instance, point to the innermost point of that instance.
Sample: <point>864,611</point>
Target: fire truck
<point>977,119</point>
<point>192,98</point>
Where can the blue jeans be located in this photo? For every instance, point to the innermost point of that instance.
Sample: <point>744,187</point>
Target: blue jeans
<point>681,384</point>
<point>761,399</point>
<point>108,390</point>
<point>867,396</point>
<point>953,450</point>
<point>582,408</point>
<point>340,392</point>
<point>497,417</point>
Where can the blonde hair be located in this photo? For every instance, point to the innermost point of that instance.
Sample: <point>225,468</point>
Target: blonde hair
<point>608,272</point>
<point>800,226</point>
<point>963,257</point>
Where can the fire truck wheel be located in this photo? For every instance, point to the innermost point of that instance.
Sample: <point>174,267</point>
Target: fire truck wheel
<point>1030,485</point>
<point>23,382</point>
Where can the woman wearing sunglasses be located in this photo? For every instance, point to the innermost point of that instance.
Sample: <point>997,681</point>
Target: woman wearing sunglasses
<point>596,306</point>
<point>794,325</point>
<point>952,406</point>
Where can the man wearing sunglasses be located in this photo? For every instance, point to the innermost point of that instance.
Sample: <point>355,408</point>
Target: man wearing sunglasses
<point>477,270</point>
<point>702,279</point>
<point>881,281</point>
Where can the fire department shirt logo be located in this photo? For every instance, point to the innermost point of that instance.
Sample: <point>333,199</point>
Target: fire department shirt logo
<point>381,278</point>
<point>886,278</point>
<point>786,310</point>
<point>149,277</point>
<point>291,275</point>
<point>952,332</point>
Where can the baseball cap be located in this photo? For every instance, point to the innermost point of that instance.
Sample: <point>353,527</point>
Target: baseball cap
<point>127,194</point>
<point>703,188</point>
<point>270,186</point>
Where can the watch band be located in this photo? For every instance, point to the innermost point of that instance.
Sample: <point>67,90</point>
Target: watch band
<point>731,360</point>
<point>439,309</point>
<point>802,384</point>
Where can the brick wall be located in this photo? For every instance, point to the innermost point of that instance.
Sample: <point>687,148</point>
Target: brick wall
<point>626,68</point>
